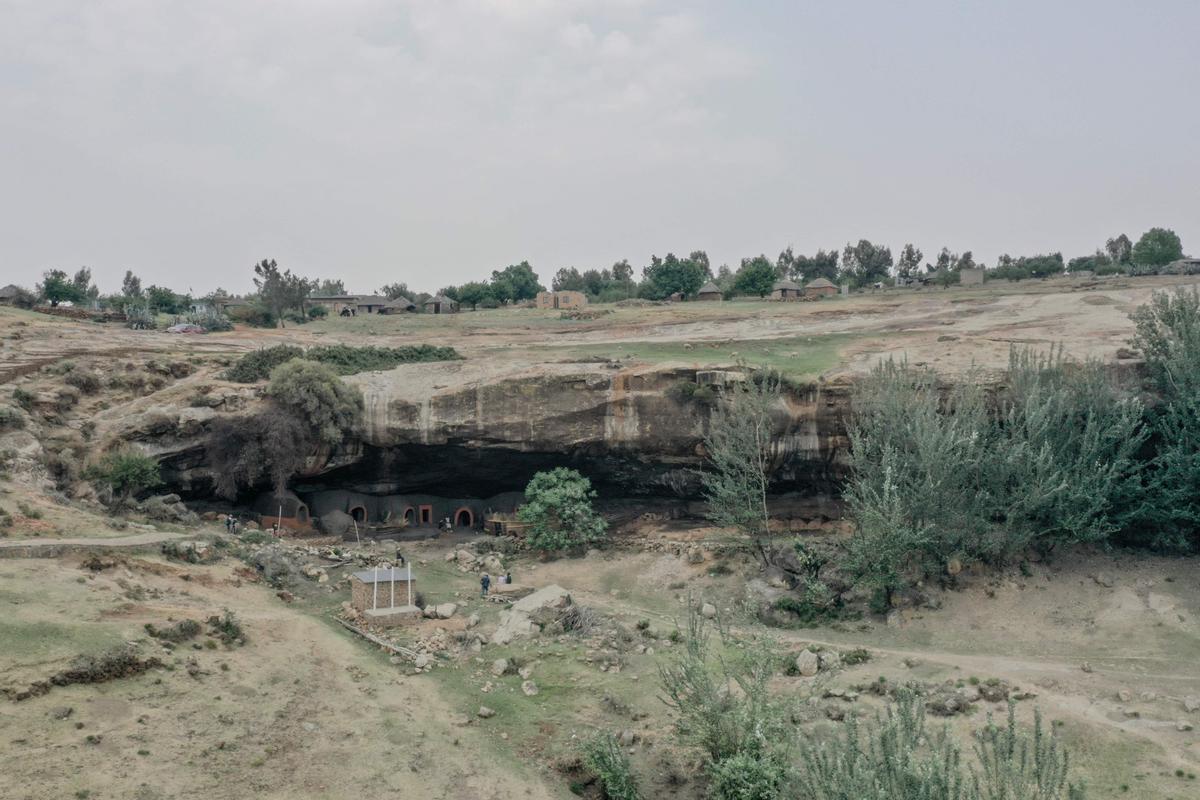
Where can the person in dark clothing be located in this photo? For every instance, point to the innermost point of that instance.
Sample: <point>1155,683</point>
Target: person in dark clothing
<point>399,558</point>
<point>484,583</point>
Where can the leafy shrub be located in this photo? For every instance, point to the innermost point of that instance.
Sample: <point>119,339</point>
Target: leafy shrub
<point>347,360</point>
<point>179,632</point>
<point>1167,331</point>
<point>11,419</point>
<point>315,395</point>
<point>126,472</point>
<point>558,510</point>
<point>895,757</point>
<point>318,312</point>
<point>23,398</point>
<point>685,392</point>
<point>256,366</point>
<point>211,320</point>
<point>936,474</point>
<point>85,381</point>
<point>227,628</point>
<point>604,757</point>
<point>66,398</point>
<point>746,777</point>
<point>344,360</point>
<point>140,318</point>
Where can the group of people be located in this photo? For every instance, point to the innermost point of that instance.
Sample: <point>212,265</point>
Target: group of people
<point>485,582</point>
<point>231,523</point>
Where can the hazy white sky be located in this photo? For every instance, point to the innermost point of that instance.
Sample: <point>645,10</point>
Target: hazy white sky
<point>431,141</point>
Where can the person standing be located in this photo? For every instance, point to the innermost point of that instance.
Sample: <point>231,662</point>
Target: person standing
<point>484,583</point>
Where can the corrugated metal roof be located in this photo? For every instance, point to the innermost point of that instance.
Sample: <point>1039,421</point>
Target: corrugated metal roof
<point>384,575</point>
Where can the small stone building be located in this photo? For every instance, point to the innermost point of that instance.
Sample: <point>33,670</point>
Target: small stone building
<point>786,290</point>
<point>971,277</point>
<point>819,288</point>
<point>385,596</point>
<point>564,300</point>
<point>344,305</point>
<point>440,304</point>
<point>710,292</point>
<point>370,304</point>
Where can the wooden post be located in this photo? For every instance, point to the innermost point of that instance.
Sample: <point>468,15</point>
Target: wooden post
<point>375,589</point>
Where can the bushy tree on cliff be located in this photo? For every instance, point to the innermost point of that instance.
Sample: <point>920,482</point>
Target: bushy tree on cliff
<point>558,509</point>
<point>309,410</point>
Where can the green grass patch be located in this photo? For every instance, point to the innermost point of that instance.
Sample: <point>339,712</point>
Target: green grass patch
<point>797,358</point>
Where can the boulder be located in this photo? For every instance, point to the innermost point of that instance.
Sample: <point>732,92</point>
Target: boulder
<point>552,596</point>
<point>486,713</point>
<point>446,610</point>
<point>708,610</point>
<point>807,663</point>
<point>421,661</point>
<point>473,620</point>
<point>529,688</point>
<point>499,666</point>
<point>337,523</point>
<point>1191,704</point>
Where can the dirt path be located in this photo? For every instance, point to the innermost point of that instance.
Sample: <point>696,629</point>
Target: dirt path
<point>53,548</point>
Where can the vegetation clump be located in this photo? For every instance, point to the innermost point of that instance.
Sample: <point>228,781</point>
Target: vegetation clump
<point>344,359</point>
<point>602,755</point>
<point>181,631</point>
<point>227,628</point>
<point>558,509</point>
<point>126,472</point>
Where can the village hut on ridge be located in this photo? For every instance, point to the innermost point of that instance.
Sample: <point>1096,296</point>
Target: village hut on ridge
<point>710,292</point>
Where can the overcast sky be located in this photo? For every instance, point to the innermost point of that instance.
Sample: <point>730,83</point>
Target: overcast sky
<point>431,141</point>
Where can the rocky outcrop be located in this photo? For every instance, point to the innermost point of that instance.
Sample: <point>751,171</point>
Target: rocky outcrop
<point>431,424</point>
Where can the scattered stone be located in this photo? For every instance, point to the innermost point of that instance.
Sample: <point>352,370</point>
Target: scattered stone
<point>1191,704</point>
<point>807,663</point>
<point>708,611</point>
<point>499,666</point>
<point>529,688</point>
<point>446,610</point>
<point>1124,695</point>
<point>486,713</point>
<point>1086,667</point>
<point>1183,726</point>
<point>421,661</point>
<point>627,738</point>
<point>525,672</point>
<point>1104,579</point>
<point>473,620</point>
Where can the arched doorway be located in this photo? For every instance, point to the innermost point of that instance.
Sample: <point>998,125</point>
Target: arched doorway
<point>463,518</point>
<point>359,513</point>
<point>410,516</point>
<point>302,513</point>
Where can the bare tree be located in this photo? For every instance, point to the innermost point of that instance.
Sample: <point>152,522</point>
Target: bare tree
<point>742,450</point>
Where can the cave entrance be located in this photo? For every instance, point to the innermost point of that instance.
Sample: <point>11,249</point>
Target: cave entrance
<point>410,515</point>
<point>463,518</point>
<point>302,514</point>
<point>359,513</point>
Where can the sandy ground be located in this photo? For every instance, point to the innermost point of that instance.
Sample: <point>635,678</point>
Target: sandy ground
<point>302,710</point>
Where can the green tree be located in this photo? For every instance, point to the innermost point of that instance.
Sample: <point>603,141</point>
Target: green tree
<point>741,449</point>
<point>558,509</point>
<point>83,283</point>
<point>473,293</point>
<point>126,472</point>
<point>866,263</point>
<point>822,265</point>
<point>756,276</point>
<point>331,286</point>
<point>57,288</point>
<point>280,291</point>
<point>1157,248</point>
<point>160,298</point>
<point>515,282</point>
<point>131,286</point>
<point>314,393</point>
<point>622,272</point>
<point>567,279</point>
<point>785,264</point>
<point>393,290</point>
<point>666,276</point>
<point>909,263</point>
<point>1119,249</point>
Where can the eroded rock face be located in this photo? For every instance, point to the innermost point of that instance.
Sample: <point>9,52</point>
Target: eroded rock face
<point>426,424</point>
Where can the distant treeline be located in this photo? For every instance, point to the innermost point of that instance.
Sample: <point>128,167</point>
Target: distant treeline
<point>282,296</point>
